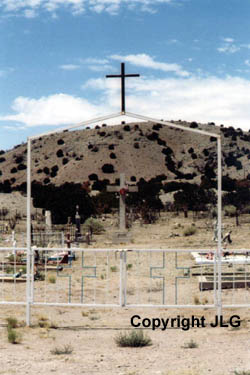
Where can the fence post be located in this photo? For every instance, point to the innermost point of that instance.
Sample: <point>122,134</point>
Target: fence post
<point>28,261</point>
<point>123,276</point>
<point>62,240</point>
<point>219,222</point>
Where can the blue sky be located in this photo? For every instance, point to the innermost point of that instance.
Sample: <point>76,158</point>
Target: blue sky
<point>193,57</point>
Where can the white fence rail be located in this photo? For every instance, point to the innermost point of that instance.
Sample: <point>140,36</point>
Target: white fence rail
<point>116,278</point>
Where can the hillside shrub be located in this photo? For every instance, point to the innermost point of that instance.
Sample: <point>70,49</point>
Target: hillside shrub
<point>65,161</point>
<point>157,127</point>
<point>108,168</point>
<point>13,170</point>
<point>112,155</point>
<point>205,152</point>
<point>153,136</point>
<point>167,151</point>
<point>21,167</point>
<point>161,142</point>
<point>54,171</point>
<point>19,159</point>
<point>93,177</point>
<point>59,153</point>
<point>46,170</point>
<point>111,147</point>
<point>126,128</point>
<point>2,160</point>
<point>193,125</point>
<point>136,145</point>
<point>60,141</point>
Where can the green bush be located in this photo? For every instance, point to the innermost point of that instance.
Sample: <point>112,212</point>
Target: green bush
<point>189,231</point>
<point>13,336</point>
<point>134,339</point>
<point>190,345</point>
<point>52,279</point>
<point>93,224</point>
<point>11,322</point>
<point>230,210</point>
<point>66,349</point>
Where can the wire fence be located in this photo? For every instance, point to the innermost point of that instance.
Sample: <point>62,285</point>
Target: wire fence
<point>133,278</point>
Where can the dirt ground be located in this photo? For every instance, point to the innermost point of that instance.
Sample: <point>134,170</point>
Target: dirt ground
<point>90,332</point>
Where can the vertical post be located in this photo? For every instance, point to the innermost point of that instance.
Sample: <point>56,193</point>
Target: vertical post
<point>123,87</point>
<point>28,240</point>
<point>219,208</point>
<point>122,205</point>
<point>123,276</point>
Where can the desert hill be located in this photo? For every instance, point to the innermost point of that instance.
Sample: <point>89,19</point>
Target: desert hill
<point>140,150</point>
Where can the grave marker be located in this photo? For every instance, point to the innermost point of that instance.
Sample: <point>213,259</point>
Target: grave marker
<point>122,189</point>
<point>48,221</point>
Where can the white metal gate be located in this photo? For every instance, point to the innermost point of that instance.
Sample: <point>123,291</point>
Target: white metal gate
<point>163,278</point>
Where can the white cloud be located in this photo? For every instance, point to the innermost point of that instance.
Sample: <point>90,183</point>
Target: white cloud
<point>228,48</point>
<point>148,62</point>
<point>247,62</point>
<point>96,65</point>
<point>52,110</point>
<point>228,40</point>
<point>69,67</point>
<point>30,8</point>
<point>192,99</point>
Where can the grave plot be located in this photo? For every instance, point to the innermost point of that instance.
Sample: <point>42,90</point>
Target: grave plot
<point>90,277</point>
<point>163,278</point>
<point>12,278</point>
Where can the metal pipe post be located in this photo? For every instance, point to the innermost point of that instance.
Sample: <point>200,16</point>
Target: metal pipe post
<point>28,240</point>
<point>219,208</point>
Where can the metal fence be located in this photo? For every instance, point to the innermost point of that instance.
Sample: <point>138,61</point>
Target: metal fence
<point>43,239</point>
<point>116,278</point>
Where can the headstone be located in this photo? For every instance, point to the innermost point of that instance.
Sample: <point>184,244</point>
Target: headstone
<point>48,221</point>
<point>122,235</point>
<point>78,224</point>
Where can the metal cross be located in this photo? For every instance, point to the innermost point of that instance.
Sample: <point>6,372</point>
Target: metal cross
<point>122,189</point>
<point>122,76</point>
<point>185,275</point>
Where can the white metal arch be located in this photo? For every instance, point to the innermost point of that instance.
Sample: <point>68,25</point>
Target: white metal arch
<point>108,117</point>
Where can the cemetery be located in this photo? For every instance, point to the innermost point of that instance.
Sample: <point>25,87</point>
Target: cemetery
<point>128,254</point>
<point>130,245</point>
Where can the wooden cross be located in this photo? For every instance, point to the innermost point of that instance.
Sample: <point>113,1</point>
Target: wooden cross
<point>122,76</point>
<point>122,189</point>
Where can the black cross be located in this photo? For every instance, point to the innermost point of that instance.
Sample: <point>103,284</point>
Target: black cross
<point>123,76</point>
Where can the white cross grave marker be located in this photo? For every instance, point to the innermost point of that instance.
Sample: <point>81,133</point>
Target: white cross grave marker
<point>122,189</point>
